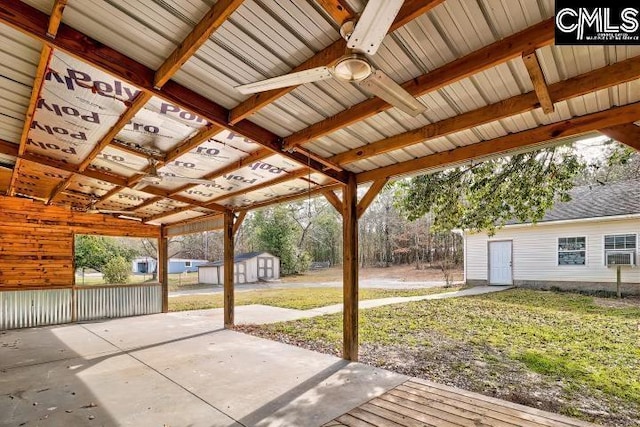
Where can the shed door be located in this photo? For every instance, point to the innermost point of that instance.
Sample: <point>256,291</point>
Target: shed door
<point>265,268</point>
<point>500,263</point>
<point>239,273</point>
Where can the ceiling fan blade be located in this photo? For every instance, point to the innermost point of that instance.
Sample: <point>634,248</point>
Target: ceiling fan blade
<point>383,86</point>
<point>373,25</point>
<point>118,164</point>
<point>291,79</point>
<point>186,180</point>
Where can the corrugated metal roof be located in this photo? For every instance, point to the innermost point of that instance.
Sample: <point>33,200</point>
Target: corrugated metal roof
<point>265,39</point>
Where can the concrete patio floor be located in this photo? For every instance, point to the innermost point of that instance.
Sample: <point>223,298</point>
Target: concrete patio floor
<point>173,369</point>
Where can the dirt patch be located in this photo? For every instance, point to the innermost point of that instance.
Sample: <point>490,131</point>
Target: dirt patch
<point>626,302</point>
<point>404,273</point>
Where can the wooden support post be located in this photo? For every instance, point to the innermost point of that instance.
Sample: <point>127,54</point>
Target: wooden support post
<point>163,269</point>
<point>334,200</point>
<point>350,270</point>
<point>619,282</point>
<point>228,270</point>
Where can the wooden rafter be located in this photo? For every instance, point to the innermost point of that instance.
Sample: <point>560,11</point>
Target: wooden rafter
<point>290,197</point>
<point>167,213</point>
<point>370,195</point>
<point>245,161</point>
<point>410,10</point>
<point>333,199</point>
<point>511,47</point>
<point>45,57</point>
<point>539,83</point>
<point>520,140</point>
<point>279,180</point>
<point>207,25</point>
<point>109,194</point>
<point>628,134</point>
<point>601,78</point>
<point>238,222</point>
<point>32,22</point>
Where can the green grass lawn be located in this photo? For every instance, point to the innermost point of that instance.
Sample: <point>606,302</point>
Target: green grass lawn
<point>297,298</point>
<point>557,351</point>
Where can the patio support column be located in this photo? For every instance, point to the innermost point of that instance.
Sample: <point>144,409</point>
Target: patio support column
<point>163,270</point>
<point>350,270</point>
<point>228,270</point>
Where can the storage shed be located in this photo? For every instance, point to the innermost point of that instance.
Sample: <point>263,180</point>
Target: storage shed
<point>247,268</point>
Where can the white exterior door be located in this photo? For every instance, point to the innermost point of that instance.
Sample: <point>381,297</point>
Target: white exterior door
<point>500,263</point>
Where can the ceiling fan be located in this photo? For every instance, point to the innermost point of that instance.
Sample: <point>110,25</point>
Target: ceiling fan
<point>363,37</point>
<point>93,209</point>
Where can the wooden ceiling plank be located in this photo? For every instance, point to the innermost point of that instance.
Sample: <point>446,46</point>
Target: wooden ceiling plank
<point>370,195</point>
<point>595,80</point>
<point>214,18</point>
<point>539,83</point>
<point>628,134</point>
<point>32,22</point>
<point>525,139</point>
<point>334,200</point>
<point>410,10</point>
<point>511,47</point>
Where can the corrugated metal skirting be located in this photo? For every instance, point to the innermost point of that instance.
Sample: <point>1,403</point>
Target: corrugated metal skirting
<point>28,308</point>
<point>117,301</point>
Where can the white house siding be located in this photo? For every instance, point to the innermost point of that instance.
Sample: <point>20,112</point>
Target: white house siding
<point>535,255</point>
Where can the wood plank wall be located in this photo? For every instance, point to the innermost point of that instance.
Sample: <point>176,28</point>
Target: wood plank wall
<point>36,241</point>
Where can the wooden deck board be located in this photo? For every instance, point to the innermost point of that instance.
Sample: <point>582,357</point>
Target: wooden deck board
<point>420,403</point>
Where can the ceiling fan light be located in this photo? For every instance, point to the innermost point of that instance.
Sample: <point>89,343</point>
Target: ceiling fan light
<point>352,68</point>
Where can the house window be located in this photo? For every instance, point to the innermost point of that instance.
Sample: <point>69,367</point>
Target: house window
<point>187,263</point>
<point>572,250</point>
<point>620,242</point>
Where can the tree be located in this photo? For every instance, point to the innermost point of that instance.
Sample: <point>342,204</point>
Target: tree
<point>276,231</point>
<point>486,195</point>
<point>117,270</point>
<point>96,251</point>
<point>617,163</point>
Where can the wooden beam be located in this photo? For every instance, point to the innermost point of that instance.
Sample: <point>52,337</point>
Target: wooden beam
<point>124,119</point>
<point>138,153</point>
<point>168,213</point>
<point>289,198</point>
<point>410,10</point>
<point>193,142</point>
<point>146,203</point>
<point>196,38</point>
<point>32,22</point>
<point>238,222</point>
<point>59,189</point>
<point>350,271</point>
<point>520,140</point>
<point>339,10</point>
<point>601,78</point>
<point>109,194</point>
<point>511,47</point>
<point>245,161</point>
<point>228,271</point>
<point>628,134</point>
<point>370,195</point>
<point>539,83</point>
<point>43,65</point>
<point>332,198</point>
<point>163,269</point>
<point>288,176</point>
<point>56,18</point>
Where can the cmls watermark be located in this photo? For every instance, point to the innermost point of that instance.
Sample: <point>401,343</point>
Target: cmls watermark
<point>580,22</point>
